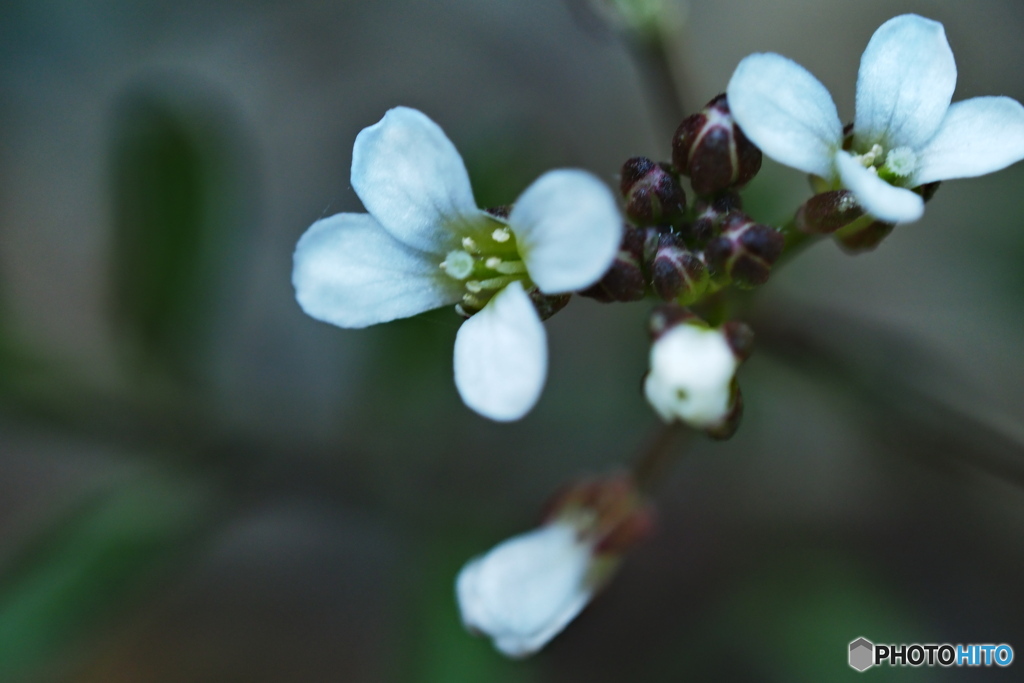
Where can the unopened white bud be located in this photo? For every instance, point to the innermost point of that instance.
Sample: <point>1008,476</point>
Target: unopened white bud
<point>691,376</point>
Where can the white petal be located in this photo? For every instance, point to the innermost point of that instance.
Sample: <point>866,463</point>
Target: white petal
<point>347,270</point>
<point>691,376</point>
<point>905,83</point>
<point>501,357</point>
<point>786,112</point>
<point>568,228</point>
<point>524,591</point>
<point>978,136</point>
<point>880,199</point>
<point>412,180</point>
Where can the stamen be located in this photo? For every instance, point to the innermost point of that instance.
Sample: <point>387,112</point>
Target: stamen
<point>475,286</point>
<point>501,235</point>
<point>472,301</point>
<point>470,245</point>
<point>493,262</point>
<point>510,267</point>
<point>869,158</point>
<point>494,282</point>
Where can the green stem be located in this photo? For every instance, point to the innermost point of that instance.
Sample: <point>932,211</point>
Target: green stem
<point>796,242</point>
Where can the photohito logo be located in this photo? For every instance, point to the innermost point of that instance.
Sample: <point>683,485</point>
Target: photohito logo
<point>864,654</point>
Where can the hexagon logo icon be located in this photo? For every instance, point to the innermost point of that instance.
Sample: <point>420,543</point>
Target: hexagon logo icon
<point>862,654</point>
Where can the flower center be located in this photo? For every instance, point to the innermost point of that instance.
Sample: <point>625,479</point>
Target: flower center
<point>895,166</point>
<point>485,264</point>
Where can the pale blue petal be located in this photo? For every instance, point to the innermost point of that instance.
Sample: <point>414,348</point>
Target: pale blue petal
<point>501,357</point>
<point>527,589</point>
<point>347,270</point>
<point>905,83</point>
<point>978,136</point>
<point>568,228</point>
<point>786,112</point>
<point>412,180</point>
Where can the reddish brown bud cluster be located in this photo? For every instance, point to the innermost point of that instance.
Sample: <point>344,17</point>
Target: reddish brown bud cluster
<point>652,193</point>
<point>745,250</point>
<point>625,279</point>
<point>713,152</point>
<point>650,258</point>
<point>709,214</point>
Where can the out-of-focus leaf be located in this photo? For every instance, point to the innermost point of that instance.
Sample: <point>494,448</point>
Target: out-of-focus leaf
<point>792,620</point>
<point>177,183</point>
<point>76,572</point>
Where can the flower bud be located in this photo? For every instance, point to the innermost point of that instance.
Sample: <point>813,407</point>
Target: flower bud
<point>866,234</point>
<point>709,214</point>
<point>712,150</point>
<point>827,212</point>
<point>652,192</point>
<point>547,304</point>
<point>677,273</point>
<point>624,280</point>
<point>745,251</point>
<point>859,237</point>
<point>527,589</point>
<point>692,377</point>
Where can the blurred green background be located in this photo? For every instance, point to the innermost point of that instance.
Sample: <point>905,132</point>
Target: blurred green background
<point>199,483</point>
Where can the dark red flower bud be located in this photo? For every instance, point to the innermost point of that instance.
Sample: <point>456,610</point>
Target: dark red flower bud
<point>712,150</point>
<point>624,280</point>
<point>652,192</point>
<point>858,237</point>
<point>677,273</point>
<point>548,304</point>
<point>709,213</point>
<point>827,212</point>
<point>866,235</point>
<point>745,251</point>
<point>740,338</point>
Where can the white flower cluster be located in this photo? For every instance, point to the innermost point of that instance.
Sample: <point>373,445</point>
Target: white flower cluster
<point>424,243</point>
<point>905,132</point>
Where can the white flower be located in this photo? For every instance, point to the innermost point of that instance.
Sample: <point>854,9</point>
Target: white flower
<point>425,244</point>
<point>526,590</point>
<point>905,132</point>
<point>692,371</point>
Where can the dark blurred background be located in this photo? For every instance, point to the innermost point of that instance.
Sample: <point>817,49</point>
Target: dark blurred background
<point>199,483</point>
